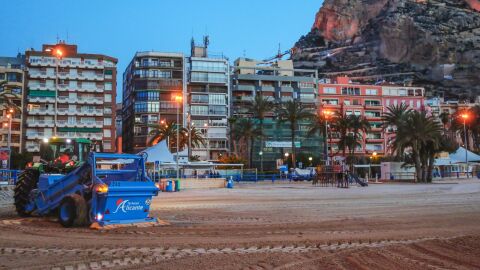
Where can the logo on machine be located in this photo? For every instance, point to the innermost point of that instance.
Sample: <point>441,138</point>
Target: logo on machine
<point>126,205</point>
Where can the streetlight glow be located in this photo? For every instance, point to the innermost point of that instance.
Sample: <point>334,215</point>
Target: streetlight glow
<point>464,116</point>
<point>310,158</point>
<point>58,53</point>
<point>177,98</point>
<point>286,154</point>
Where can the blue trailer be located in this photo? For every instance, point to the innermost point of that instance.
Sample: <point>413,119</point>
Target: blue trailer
<point>106,189</point>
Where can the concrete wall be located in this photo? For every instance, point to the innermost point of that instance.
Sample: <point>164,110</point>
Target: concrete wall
<point>201,183</point>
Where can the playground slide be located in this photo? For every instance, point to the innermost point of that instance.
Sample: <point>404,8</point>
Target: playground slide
<point>358,181</point>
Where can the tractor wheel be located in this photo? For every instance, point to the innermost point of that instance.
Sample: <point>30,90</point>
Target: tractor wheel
<point>81,211</point>
<point>73,211</point>
<point>27,181</point>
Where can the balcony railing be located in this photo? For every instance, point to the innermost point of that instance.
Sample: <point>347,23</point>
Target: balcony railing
<point>42,111</point>
<point>40,123</point>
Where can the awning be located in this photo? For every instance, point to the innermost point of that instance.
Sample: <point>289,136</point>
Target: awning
<point>459,156</point>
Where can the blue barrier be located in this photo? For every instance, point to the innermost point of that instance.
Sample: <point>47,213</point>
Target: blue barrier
<point>9,176</point>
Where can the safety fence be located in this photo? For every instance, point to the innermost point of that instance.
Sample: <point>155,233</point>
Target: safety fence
<point>8,177</point>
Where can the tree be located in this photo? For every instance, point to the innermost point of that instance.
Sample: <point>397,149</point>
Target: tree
<point>292,112</point>
<point>395,116</point>
<point>162,132</point>
<point>358,125</point>
<point>246,129</point>
<point>231,123</point>
<point>341,125</point>
<point>318,126</point>
<point>445,119</point>
<point>421,135</point>
<point>193,136</point>
<point>259,108</point>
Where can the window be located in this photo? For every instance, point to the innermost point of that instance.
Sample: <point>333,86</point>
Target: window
<point>388,102</point>
<point>357,113</point>
<point>329,90</point>
<point>348,113</point>
<point>419,104</point>
<point>2,76</point>
<point>356,102</point>
<point>199,110</point>
<point>107,133</point>
<point>346,102</point>
<point>372,114</point>
<point>107,145</point>
<point>199,99</point>
<point>108,98</point>
<point>217,99</point>
<point>307,96</point>
<point>351,91</point>
<point>372,103</point>
<point>218,110</point>
<point>307,85</point>
<point>373,147</point>
<point>372,92</point>
<point>108,86</point>
<point>107,121</point>
<point>165,74</point>
<point>330,101</point>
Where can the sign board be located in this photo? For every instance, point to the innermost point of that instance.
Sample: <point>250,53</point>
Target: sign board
<point>284,168</point>
<point>277,144</point>
<point>279,163</point>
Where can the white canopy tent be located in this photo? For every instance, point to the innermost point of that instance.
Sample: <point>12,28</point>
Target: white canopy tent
<point>159,153</point>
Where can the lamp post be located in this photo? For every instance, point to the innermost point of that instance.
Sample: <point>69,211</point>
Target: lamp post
<point>208,140</point>
<point>326,114</point>
<point>178,100</point>
<point>190,139</point>
<point>261,160</point>
<point>9,138</point>
<point>286,157</point>
<point>465,117</point>
<point>310,159</point>
<point>58,53</point>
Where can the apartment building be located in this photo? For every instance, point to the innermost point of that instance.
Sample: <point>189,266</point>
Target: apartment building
<point>69,95</point>
<point>279,82</point>
<point>12,73</point>
<point>208,96</point>
<point>150,82</point>
<point>371,101</point>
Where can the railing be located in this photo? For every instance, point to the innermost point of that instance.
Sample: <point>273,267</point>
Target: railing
<point>9,177</point>
<point>40,123</point>
<point>41,111</point>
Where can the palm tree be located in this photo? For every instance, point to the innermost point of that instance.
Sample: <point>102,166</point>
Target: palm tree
<point>7,97</point>
<point>395,116</point>
<point>445,119</point>
<point>194,136</point>
<point>162,132</point>
<point>421,134</point>
<point>246,129</point>
<point>341,125</point>
<point>231,123</point>
<point>259,108</point>
<point>358,126</point>
<point>318,126</point>
<point>292,112</point>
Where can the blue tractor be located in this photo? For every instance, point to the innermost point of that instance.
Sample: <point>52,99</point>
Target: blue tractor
<point>106,189</point>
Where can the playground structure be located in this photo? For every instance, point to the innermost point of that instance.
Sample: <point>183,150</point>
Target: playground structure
<point>334,175</point>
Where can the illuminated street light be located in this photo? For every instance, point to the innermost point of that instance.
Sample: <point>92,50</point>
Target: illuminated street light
<point>326,114</point>
<point>465,116</point>
<point>178,99</point>
<point>286,155</point>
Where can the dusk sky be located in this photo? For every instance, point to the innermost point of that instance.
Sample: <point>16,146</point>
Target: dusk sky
<point>119,28</point>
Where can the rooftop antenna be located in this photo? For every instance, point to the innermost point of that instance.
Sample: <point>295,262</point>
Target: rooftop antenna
<point>67,35</point>
<point>57,38</point>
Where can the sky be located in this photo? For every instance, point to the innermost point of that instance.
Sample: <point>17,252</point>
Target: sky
<point>119,28</point>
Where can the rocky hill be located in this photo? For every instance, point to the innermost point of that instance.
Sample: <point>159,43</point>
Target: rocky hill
<point>435,44</point>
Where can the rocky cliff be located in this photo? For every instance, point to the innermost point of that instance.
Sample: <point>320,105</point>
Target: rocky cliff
<point>422,42</point>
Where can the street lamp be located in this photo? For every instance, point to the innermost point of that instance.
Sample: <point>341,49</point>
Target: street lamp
<point>178,100</point>
<point>465,117</point>
<point>58,54</point>
<point>9,142</point>
<point>261,160</point>
<point>205,125</point>
<point>326,115</point>
<point>310,159</point>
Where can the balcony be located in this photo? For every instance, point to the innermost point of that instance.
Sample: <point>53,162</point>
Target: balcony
<point>42,111</point>
<point>40,123</point>
<point>285,99</point>
<point>37,135</point>
<point>35,74</point>
<point>244,98</point>
<point>86,124</point>
<point>33,147</point>
<point>90,100</point>
<point>41,99</point>
<point>244,88</point>
<point>41,86</point>
<point>374,106</point>
<point>88,112</point>
<point>286,89</point>
<point>81,135</point>
<point>268,88</point>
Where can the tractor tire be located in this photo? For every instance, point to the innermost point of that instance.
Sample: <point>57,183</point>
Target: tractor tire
<point>81,211</point>
<point>27,181</point>
<point>73,211</point>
